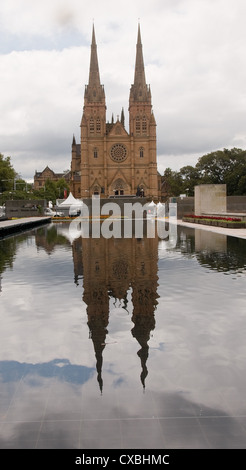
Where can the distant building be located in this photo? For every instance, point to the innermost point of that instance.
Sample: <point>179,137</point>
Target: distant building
<point>109,160</point>
<point>41,177</point>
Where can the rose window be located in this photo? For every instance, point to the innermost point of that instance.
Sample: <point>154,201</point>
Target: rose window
<point>118,152</point>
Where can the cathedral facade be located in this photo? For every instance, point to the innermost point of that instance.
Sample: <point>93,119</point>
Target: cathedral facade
<point>109,161</point>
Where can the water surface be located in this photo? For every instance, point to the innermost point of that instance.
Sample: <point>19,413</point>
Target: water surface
<point>122,343</point>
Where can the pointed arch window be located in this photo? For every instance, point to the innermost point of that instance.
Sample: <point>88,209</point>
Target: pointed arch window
<point>95,152</point>
<point>92,126</point>
<point>144,125</point>
<point>138,125</point>
<point>98,125</point>
<point>141,152</point>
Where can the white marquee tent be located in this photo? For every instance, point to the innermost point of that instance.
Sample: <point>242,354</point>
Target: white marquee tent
<point>71,201</point>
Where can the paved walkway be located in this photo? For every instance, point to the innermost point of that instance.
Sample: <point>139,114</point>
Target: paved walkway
<point>16,225</point>
<point>233,232</point>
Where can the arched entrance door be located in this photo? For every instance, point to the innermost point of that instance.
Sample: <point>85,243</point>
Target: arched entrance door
<point>119,187</point>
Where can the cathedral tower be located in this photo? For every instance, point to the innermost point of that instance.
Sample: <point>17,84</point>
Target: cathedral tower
<point>109,160</point>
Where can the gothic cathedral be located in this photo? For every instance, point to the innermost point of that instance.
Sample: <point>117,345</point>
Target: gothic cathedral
<point>109,161</point>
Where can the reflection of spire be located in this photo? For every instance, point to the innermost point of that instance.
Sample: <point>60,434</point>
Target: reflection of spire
<point>144,298</point>
<point>98,334</point>
<point>111,269</point>
<point>96,297</point>
<point>141,331</point>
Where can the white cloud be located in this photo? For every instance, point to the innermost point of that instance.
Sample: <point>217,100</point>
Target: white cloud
<point>194,60</point>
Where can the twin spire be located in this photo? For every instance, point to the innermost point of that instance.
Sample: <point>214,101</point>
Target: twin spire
<point>94,91</point>
<point>139,90</point>
<point>94,76</point>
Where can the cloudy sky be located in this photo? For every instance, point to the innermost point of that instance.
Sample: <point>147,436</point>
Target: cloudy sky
<point>195,63</point>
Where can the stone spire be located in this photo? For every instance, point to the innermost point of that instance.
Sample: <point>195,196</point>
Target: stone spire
<point>140,91</point>
<point>122,118</point>
<point>94,76</point>
<point>94,91</point>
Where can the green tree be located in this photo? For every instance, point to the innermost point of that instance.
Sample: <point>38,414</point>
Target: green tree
<point>224,167</point>
<point>20,185</point>
<point>191,177</point>
<point>241,185</point>
<point>172,183</point>
<point>7,174</point>
<point>61,185</point>
<point>50,191</point>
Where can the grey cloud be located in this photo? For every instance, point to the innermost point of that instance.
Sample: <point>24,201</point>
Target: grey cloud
<point>194,65</point>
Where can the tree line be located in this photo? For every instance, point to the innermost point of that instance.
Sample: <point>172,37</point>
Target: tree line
<point>219,167</point>
<point>14,187</point>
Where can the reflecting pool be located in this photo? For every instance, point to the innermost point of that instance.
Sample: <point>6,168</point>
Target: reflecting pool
<point>122,343</point>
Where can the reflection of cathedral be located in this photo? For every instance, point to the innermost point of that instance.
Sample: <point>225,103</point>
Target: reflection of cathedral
<point>112,267</point>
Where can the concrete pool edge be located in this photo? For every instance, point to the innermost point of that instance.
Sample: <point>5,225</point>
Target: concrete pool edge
<point>233,232</point>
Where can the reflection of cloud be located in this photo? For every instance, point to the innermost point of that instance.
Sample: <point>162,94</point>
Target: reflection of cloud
<point>170,421</point>
<point>70,235</point>
<point>188,424</point>
<point>27,435</point>
<point>12,370</point>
